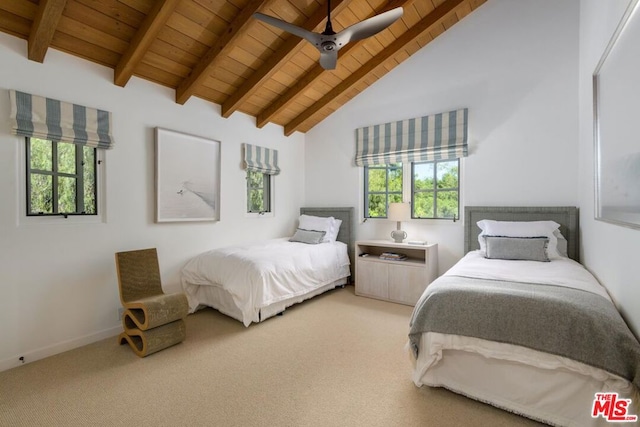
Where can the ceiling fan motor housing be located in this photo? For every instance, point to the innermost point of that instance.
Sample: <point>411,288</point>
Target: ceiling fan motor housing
<point>328,45</point>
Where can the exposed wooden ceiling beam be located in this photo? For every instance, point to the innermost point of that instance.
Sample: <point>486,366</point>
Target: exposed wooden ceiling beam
<point>409,36</point>
<point>289,48</point>
<point>44,26</point>
<point>314,73</point>
<point>146,34</point>
<point>224,44</point>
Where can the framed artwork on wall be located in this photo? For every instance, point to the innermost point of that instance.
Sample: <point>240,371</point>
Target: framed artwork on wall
<point>616,90</point>
<point>187,177</point>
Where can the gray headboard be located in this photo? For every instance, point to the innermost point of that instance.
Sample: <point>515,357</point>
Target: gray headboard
<point>346,233</point>
<point>566,216</point>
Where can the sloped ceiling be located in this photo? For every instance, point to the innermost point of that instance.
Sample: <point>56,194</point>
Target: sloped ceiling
<point>216,50</point>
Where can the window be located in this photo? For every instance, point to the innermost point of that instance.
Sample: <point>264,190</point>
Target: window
<point>382,185</point>
<point>258,192</point>
<point>434,189</point>
<point>60,178</point>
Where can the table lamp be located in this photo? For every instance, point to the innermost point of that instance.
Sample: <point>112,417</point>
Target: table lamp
<point>399,212</point>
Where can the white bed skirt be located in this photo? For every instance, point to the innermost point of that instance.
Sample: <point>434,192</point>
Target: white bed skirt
<point>540,386</point>
<point>218,298</point>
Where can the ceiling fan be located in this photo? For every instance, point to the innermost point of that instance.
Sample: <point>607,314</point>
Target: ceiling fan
<point>329,42</point>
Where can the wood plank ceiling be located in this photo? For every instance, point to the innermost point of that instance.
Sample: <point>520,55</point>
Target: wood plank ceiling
<point>216,50</point>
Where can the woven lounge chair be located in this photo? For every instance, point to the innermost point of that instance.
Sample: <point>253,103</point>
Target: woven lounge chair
<point>152,320</point>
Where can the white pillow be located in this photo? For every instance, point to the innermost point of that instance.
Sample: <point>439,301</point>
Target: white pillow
<point>521,229</point>
<point>562,244</point>
<point>318,223</point>
<point>332,235</point>
<point>482,225</point>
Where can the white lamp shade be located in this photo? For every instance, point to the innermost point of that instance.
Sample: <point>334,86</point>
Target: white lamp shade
<point>399,211</point>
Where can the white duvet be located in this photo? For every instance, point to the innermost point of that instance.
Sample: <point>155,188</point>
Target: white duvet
<point>259,274</point>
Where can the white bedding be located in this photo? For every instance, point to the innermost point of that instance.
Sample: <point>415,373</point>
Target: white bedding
<point>550,388</point>
<point>261,274</point>
<point>560,272</point>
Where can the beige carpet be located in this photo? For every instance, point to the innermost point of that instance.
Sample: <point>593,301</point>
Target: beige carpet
<point>335,360</point>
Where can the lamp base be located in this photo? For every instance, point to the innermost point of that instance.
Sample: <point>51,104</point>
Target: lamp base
<point>398,236</point>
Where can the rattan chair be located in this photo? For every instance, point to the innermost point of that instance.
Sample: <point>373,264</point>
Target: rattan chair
<point>152,320</point>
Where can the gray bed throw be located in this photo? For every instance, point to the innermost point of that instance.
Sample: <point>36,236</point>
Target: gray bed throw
<point>562,321</point>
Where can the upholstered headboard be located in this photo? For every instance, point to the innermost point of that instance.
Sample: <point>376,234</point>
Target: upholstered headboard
<point>346,232</point>
<point>566,216</point>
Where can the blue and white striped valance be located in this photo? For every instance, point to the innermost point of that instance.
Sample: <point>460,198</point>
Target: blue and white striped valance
<point>437,137</point>
<point>45,118</point>
<point>261,159</point>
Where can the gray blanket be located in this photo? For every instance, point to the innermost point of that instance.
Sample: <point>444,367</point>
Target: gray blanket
<point>562,321</point>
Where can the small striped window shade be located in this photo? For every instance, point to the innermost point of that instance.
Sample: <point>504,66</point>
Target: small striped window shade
<point>437,137</point>
<point>261,159</point>
<point>46,118</point>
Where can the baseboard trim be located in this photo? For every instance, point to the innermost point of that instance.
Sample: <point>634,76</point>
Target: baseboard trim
<point>61,347</point>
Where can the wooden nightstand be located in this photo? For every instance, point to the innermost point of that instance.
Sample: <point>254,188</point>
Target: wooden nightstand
<point>393,280</point>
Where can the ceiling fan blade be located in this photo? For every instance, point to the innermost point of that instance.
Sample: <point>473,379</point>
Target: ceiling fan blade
<point>328,60</point>
<point>368,27</point>
<point>290,28</point>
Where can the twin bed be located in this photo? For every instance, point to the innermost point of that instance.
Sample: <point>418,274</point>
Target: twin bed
<point>535,337</point>
<point>256,281</point>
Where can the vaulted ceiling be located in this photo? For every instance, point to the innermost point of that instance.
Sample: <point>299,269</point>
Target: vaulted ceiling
<point>216,50</point>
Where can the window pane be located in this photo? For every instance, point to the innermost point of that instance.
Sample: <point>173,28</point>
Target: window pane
<point>256,201</point>
<point>377,206</point>
<point>448,174</point>
<point>66,194</point>
<point>395,180</point>
<point>256,179</point>
<point>423,205</point>
<point>40,154</point>
<point>66,158</point>
<point>423,176</point>
<point>89,174</point>
<point>377,180</point>
<point>447,204</point>
<point>41,193</point>
<point>395,198</point>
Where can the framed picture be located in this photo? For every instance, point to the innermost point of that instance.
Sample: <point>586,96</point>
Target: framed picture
<point>616,90</point>
<point>187,177</point>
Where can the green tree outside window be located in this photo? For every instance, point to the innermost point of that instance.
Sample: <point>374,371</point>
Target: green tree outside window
<point>61,178</point>
<point>258,192</point>
<point>383,185</point>
<point>436,189</point>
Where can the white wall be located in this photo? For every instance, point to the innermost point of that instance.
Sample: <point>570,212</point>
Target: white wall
<point>609,251</point>
<point>514,65</point>
<point>58,284</point>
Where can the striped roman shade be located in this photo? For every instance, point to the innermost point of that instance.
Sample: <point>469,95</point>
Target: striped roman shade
<point>261,159</point>
<point>438,137</point>
<point>46,118</point>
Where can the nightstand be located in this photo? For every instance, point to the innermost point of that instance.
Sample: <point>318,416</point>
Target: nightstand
<point>402,281</point>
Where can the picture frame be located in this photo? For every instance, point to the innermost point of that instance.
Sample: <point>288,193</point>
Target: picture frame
<point>187,177</point>
<point>616,89</point>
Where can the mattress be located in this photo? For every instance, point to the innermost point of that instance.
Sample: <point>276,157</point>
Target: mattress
<point>248,282</point>
<point>546,387</point>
